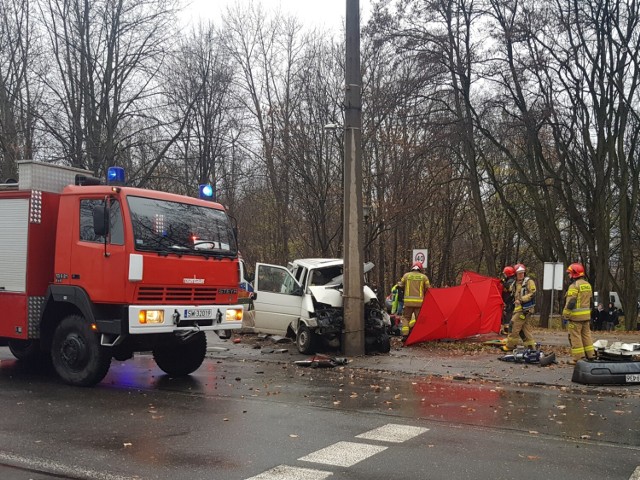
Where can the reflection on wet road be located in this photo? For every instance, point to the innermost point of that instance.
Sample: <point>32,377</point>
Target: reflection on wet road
<point>239,417</point>
<point>544,410</point>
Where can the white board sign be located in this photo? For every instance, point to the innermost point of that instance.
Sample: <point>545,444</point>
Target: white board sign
<point>553,276</point>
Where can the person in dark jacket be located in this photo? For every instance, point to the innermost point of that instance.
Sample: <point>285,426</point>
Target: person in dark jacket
<point>601,318</point>
<point>594,317</point>
<point>612,317</point>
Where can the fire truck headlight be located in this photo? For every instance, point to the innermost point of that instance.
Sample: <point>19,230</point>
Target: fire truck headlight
<point>151,316</point>
<point>234,315</point>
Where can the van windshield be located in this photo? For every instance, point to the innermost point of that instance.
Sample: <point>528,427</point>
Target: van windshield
<point>173,227</point>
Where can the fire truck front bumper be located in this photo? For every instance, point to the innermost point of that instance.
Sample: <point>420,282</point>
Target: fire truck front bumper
<point>144,319</point>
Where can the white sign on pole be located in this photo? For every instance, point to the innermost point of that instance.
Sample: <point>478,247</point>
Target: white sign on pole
<point>553,275</point>
<point>420,255</point>
<point>552,279</point>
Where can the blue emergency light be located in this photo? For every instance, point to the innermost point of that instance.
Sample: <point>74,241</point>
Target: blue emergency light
<point>205,192</point>
<point>115,176</point>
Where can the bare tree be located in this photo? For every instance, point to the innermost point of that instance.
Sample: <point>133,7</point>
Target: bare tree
<point>200,79</point>
<point>316,149</point>
<point>19,96</point>
<point>107,55</point>
<point>268,51</point>
<point>594,54</point>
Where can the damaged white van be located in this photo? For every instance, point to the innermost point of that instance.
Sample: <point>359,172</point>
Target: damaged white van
<point>304,301</point>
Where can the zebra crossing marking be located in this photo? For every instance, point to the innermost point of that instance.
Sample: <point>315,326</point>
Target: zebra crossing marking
<point>285,472</point>
<point>343,454</point>
<point>393,433</point>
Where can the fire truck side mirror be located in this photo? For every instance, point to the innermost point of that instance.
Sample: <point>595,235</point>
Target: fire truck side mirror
<point>101,220</point>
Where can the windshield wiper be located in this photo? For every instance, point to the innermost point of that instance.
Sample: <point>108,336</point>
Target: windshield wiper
<point>164,251</point>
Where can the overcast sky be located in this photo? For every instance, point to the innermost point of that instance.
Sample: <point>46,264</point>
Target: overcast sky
<point>313,13</point>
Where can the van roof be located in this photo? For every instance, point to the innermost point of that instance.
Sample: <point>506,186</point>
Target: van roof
<point>317,262</point>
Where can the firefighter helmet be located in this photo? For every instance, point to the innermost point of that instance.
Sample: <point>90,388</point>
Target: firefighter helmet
<point>520,268</point>
<point>575,270</point>
<point>509,271</point>
<point>417,266</point>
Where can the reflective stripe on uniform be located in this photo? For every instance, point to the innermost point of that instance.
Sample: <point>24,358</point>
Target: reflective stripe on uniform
<point>411,279</point>
<point>413,301</point>
<point>578,351</point>
<point>577,305</point>
<point>414,296</point>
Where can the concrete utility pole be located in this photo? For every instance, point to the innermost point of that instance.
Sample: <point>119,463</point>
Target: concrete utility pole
<point>353,301</point>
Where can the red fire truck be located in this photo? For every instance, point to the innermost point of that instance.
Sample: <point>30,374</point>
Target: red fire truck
<point>91,272</point>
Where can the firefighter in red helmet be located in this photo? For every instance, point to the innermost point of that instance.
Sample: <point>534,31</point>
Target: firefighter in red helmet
<point>509,271</point>
<point>577,312</point>
<point>507,279</point>
<point>524,291</point>
<point>415,285</point>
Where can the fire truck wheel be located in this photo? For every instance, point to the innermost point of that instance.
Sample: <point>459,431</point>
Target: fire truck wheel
<point>77,355</point>
<point>26,350</point>
<point>179,358</point>
<point>305,340</point>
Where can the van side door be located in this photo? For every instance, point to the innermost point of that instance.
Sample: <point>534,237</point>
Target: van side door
<point>278,299</point>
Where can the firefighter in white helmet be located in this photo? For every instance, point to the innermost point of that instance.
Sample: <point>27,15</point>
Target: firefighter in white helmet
<point>415,285</point>
<point>524,291</point>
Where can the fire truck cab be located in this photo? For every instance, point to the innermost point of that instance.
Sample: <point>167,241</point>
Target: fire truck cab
<point>91,272</point>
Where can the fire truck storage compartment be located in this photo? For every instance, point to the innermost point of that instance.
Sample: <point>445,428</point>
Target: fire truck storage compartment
<point>28,215</point>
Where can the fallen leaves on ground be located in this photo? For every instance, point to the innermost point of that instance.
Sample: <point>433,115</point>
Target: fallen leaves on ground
<point>469,347</point>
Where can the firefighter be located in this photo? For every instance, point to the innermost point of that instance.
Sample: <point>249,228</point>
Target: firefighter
<point>507,280</point>
<point>577,312</point>
<point>524,291</point>
<point>415,285</point>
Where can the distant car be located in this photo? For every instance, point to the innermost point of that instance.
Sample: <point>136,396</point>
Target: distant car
<point>304,301</point>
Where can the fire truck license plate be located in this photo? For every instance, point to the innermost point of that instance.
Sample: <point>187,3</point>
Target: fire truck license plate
<point>198,313</point>
<point>633,378</point>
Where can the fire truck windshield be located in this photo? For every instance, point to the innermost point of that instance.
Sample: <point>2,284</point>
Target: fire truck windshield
<point>173,227</point>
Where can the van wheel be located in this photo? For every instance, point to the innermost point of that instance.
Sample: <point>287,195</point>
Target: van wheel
<point>77,355</point>
<point>385,343</point>
<point>224,334</point>
<point>179,358</point>
<point>27,351</point>
<point>304,340</point>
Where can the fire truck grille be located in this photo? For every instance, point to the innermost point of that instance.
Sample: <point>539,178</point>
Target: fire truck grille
<point>186,295</point>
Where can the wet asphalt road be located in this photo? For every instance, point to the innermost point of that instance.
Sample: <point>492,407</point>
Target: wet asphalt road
<point>239,417</point>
